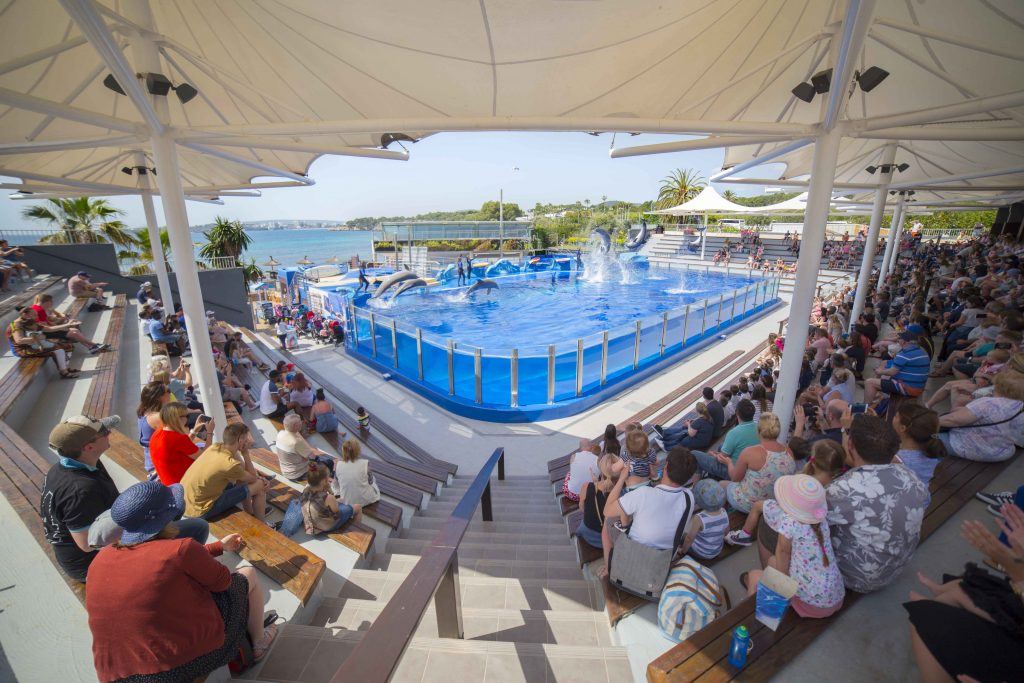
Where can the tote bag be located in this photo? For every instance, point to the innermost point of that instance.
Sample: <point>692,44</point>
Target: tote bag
<point>692,599</point>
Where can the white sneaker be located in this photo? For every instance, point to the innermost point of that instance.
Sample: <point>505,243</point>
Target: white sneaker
<point>658,442</point>
<point>997,499</point>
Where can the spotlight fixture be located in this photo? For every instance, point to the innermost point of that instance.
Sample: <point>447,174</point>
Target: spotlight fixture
<point>887,168</point>
<point>111,83</point>
<point>127,170</point>
<point>822,81</point>
<point>158,84</point>
<point>903,167</point>
<point>185,92</point>
<point>804,91</point>
<point>871,77</point>
<point>871,169</point>
<point>141,170</point>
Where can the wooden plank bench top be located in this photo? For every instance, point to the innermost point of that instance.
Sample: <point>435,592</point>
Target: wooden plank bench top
<point>280,494</point>
<point>641,416</point>
<point>704,656</point>
<point>414,450</point>
<point>22,471</point>
<point>99,401</point>
<point>397,473</point>
<point>292,566</point>
<point>14,383</point>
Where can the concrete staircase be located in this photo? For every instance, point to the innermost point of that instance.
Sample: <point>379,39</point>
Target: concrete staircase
<point>529,613</point>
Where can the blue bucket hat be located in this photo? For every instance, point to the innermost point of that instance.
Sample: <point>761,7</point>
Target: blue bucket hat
<point>709,494</point>
<point>144,509</point>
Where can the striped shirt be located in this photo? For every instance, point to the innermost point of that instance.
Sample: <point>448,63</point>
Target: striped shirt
<point>708,543</point>
<point>913,364</point>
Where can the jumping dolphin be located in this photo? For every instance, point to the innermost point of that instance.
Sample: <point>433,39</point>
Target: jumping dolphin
<point>409,284</point>
<point>606,240</point>
<point>484,283</point>
<point>391,280</point>
<point>641,237</point>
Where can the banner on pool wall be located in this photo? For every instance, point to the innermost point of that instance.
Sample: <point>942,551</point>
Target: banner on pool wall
<point>316,300</point>
<point>335,304</point>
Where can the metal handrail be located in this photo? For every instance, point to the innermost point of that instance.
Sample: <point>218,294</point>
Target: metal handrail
<point>436,575</point>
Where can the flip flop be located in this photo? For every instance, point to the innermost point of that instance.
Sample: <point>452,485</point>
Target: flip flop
<point>744,577</point>
<point>260,649</point>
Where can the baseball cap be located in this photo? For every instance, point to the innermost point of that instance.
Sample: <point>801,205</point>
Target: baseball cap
<point>71,435</point>
<point>147,284</point>
<point>907,335</point>
<point>144,509</point>
<point>82,273</point>
<point>915,328</point>
<point>210,314</point>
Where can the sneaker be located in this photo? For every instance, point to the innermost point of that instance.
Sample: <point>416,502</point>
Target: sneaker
<point>996,500</point>
<point>994,511</point>
<point>659,443</point>
<point>739,537</point>
<point>660,430</point>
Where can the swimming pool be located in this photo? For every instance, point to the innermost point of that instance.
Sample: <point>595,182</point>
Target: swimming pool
<point>549,344</point>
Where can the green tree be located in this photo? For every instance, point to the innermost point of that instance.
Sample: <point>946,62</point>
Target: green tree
<point>730,195</point>
<point>143,251</point>
<point>251,272</point>
<point>490,211</point>
<point>680,186</point>
<point>82,219</point>
<point>226,238</point>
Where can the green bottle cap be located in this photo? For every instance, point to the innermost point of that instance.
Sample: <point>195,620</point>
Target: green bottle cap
<point>741,631</point>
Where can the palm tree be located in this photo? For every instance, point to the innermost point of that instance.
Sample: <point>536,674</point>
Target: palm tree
<point>251,272</point>
<point>226,238</point>
<point>730,195</point>
<point>680,186</point>
<point>82,219</point>
<point>143,252</point>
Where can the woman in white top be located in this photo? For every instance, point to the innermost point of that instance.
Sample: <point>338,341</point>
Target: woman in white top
<point>352,482</point>
<point>301,391</point>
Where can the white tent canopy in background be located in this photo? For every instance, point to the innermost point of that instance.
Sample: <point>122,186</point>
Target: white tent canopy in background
<point>708,201</point>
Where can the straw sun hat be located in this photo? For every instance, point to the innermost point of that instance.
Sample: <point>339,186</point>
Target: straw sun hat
<point>802,497</point>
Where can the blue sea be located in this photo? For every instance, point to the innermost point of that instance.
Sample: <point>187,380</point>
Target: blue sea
<point>289,246</point>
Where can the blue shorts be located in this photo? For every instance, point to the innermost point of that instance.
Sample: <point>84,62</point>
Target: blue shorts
<point>232,496</point>
<point>345,513</point>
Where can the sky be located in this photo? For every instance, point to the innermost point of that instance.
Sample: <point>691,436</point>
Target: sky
<point>449,171</point>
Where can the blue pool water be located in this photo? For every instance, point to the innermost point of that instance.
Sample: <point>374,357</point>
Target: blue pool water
<point>543,346</point>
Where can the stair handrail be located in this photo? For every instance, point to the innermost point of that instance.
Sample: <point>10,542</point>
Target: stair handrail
<point>436,575</point>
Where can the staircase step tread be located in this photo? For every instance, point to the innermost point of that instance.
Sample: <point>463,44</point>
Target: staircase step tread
<point>556,537</point>
<point>560,569</point>
<point>435,523</point>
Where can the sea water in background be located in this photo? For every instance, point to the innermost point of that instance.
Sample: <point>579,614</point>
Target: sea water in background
<point>289,246</point>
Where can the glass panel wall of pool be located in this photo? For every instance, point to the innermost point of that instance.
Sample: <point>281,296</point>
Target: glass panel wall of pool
<point>543,345</point>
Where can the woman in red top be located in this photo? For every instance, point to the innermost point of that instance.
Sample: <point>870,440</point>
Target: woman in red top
<point>173,448</point>
<point>162,608</point>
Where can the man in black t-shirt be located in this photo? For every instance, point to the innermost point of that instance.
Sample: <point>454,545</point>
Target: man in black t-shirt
<point>77,490</point>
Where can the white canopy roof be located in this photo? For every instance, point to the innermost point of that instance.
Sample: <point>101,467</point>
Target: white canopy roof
<point>708,201</point>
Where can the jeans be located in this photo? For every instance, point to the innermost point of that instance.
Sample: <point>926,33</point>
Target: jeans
<point>194,527</point>
<point>232,496</point>
<point>345,513</point>
<point>591,537</point>
<point>709,464</point>
<point>673,435</point>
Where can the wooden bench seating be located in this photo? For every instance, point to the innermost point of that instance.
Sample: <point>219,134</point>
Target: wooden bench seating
<point>704,656</point>
<point>286,562</point>
<point>22,471</point>
<point>436,468</point>
<point>99,400</point>
<point>25,296</point>
<point>355,536</point>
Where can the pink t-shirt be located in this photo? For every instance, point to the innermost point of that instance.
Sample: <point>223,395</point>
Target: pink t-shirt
<point>822,347</point>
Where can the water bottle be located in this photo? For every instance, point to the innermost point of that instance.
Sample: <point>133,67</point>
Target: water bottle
<point>740,647</point>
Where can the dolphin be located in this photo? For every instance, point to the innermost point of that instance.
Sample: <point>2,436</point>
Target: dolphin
<point>407,285</point>
<point>391,280</point>
<point>606,240</point>
<point>484,283</point>
<point>640,238</point>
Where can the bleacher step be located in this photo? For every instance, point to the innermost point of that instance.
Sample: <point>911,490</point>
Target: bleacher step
<point>546,512</point>
<point>516,537</point>
<point>554,627</point>
<point>412,546</point>
<point>485,567</point>
<point>435,523</point>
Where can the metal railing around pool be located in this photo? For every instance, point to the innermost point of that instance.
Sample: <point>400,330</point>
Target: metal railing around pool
<point>537,375</point>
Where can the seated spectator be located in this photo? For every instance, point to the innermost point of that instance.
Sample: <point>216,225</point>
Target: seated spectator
<point>740,437</point>
<point>638,460</point>
<point>76,490</point>
<point>920,446</point>
<point>582,468</point>
<point>867,327</point>
<point>59,328</point>
<point>80,287</point>
<point>841,389</point>
<point>611,443</point>
<point>706,535</point>
<point>363,418</point>
<point>831,428</point>
<point>904,375</point>
<point>11,259</point>
<point>272,405</point>
<point>353,482</point>
<point>752,476</point>
<point>856,353</point>
<point>969,630</point>
<point>825,462</point>
<point>323,418</point>
<point>728,407</point>
<point>240,354</point>
<point>695,434</point>
<point>593,497</point>
<point>174,447</point>
<point>219,480</point>
<point>796,542</point>
<point>294,452</point>
<point>152,400</point>
<point>759,397</point>
<point>176,380</point>
<point>218,335</point>
<point>715,409</point>
<point>145,296</point>
<point>875,509</point>
<point>821,346</point>
<point>27,340</point>
<point>652,514</point>
<point>322,513</point>
<point>161,607</point>
<point>963,391</point>
<point>231,389</point>
<point>989,429</point>
<point>159,332</point>
<point>300,391</point>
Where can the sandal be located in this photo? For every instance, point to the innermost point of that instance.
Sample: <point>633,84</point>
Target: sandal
<point>743,580</point>
<point>69,374</point>
<point>260,649</point>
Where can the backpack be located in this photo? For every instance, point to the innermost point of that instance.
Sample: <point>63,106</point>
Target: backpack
<point>292,521</point>
<point>691,600</point>
<point>641,569</point>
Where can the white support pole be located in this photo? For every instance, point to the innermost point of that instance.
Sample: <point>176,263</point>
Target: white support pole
<point>156,247</point>
<point>896,241</point>
<point>826,151</point>
<point>871,243</point>
<point>168,179</point>
<point>897,216</point>
<point>501,220</point>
